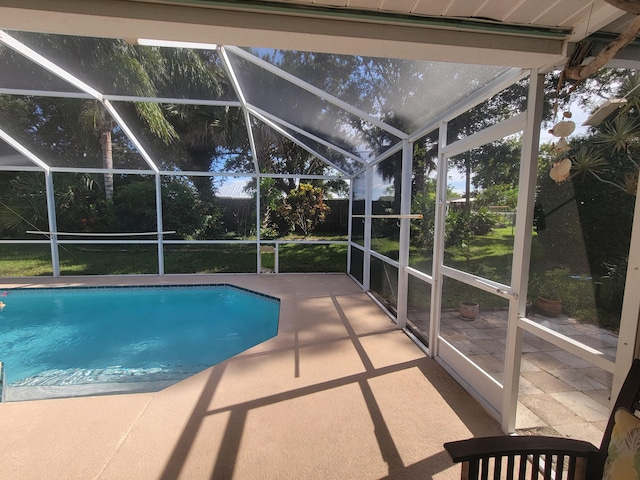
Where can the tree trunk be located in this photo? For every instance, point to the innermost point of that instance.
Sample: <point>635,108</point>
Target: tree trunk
<point>107,162</point>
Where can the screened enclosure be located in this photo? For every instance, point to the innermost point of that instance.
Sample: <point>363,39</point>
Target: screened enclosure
<point>416,178</point>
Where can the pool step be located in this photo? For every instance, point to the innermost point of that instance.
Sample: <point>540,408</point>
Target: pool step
<point>41,392</point>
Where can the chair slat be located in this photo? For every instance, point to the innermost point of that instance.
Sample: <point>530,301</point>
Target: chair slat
<point>523,467</point>
<point>510,466</point>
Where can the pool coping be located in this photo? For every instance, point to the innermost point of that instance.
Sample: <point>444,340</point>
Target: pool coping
<point>109,287</point>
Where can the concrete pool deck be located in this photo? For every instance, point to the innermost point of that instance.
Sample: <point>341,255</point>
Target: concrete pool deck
<point>340,393</point>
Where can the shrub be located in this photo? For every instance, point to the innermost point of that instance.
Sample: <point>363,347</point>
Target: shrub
<point>481,221</point>
<point>304,208</point>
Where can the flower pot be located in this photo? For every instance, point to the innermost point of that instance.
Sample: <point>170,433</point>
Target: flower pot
<point>468,310</point>
<point>548,307</point>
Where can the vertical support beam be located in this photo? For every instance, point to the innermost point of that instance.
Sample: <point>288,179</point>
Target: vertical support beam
<point>350,225</point>
<point>366,268</point>
<point>630,316</point>
<point>405,232</point>
<point>438,242</point>
<point>159,224</point>
<point>53,224</point>
<point>522,250</point>
<point>258,224</point>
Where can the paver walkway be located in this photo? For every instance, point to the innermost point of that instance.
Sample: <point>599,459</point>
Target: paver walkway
<point>560,394</point>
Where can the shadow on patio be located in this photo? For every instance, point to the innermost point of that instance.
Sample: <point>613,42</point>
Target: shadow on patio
<point>339,393</point>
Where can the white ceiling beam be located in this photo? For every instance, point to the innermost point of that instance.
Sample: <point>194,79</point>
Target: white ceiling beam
<point>317,92</point>
<point>35,57</point>
<point>203,23</point>
<point>119,98</point>
<point>286,134</point>
<point>130,135</point>
<point>23,151</point>
<point>243,101</point>
<point>490,134</point>
<point>597,19</point>
<point>44,93</point>
<point>310,136</point>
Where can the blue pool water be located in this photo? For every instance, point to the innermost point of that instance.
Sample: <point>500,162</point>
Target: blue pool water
<point>76,336</point>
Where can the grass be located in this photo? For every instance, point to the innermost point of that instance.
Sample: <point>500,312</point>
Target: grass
<point>25,260</point>
<point>492,256</point>
<point>35,260</point>
<point>312,258</point>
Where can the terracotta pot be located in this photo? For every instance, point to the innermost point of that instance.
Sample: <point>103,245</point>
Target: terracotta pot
<point>468,310</point>
<point>549,308</point>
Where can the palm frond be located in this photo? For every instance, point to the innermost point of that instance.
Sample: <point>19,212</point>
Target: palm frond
<point>587,160</point>
<point>620,134</point>
<point>630,89</point>
<point>153,116</point>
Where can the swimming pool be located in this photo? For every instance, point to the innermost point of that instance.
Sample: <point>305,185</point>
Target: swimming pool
<point>73,336</point>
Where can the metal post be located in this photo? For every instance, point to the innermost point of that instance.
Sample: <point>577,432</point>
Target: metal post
<point>405,233</point>
<point>159,224</point>
<point>258,223</point>
<point>366,269</point>
<point>522,249</point>
<point>628,343</point>
<point>438,242</point>
<point>51,214</point>
<point>349,226</point>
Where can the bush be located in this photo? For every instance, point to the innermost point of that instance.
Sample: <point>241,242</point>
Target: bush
<point>422,230</point>
<point>481,221</point>
<point>135,207</point>
<point>304,208</point>
<point>460,226</point>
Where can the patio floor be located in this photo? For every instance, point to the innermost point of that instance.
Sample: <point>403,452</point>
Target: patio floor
<point>339,393</point>
<point>560,394</point>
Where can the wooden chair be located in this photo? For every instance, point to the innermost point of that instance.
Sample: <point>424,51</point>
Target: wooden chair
<point>552,457</point>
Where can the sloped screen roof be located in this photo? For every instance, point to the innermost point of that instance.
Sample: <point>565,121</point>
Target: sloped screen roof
<point>186,109</point>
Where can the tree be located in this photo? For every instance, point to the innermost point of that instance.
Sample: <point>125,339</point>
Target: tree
<point>304,208</point>
<point>271,198</point>
<point>135,207</point>
<point>23,203</point>
<point>114,66</point>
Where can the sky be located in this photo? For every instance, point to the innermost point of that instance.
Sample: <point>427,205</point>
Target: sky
<point>456,179</point>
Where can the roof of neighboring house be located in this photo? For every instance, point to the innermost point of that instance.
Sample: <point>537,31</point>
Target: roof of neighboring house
<point>235,189</point>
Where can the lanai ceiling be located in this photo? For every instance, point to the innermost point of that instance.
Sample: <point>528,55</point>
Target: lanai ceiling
<point>495,33</point>
<point>524,33</point>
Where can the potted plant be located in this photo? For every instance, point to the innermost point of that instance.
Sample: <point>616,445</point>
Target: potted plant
<point>549,288</point>
<point>468,308</point>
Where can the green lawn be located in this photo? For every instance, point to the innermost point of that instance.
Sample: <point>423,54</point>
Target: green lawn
<point>25,260</point>
<point>35,260</point>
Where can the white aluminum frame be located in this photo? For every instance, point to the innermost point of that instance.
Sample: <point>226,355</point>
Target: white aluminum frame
<point>501,400</point>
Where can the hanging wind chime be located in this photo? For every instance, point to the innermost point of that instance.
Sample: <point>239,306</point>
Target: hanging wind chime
<point>560,170</point>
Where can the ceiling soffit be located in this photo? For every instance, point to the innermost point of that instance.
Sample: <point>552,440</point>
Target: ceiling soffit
<point>411,37</point>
